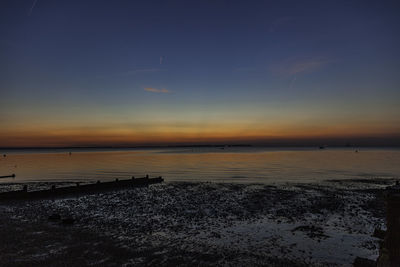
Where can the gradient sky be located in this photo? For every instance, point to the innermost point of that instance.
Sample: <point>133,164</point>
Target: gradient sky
<point>77,73</point>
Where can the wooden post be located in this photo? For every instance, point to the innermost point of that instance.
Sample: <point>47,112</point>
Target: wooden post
<point>392,241</point>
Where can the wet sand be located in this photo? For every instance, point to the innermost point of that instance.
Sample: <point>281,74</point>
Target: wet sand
<point>329,223</point>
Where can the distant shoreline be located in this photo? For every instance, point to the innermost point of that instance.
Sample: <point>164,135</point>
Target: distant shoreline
<point>127,147</point>
<point>199,146</point>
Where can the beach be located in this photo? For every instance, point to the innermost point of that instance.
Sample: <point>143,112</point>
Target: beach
<point>199,133</point>
<point>328,223</point>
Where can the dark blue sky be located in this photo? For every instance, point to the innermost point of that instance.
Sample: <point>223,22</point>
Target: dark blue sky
<point>198,69</point>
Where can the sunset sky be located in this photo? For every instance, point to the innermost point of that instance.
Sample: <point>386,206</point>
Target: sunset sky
<point>121,73</point>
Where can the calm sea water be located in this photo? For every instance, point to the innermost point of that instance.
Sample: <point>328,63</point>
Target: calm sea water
<point>246,164</point>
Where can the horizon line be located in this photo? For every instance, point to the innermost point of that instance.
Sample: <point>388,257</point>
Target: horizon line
<point>208,145</point>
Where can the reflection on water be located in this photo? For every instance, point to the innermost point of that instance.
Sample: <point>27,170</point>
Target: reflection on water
<point>205,164</point>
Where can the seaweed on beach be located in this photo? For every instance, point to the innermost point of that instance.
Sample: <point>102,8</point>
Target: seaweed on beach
<point>311,230</point>
<point>376,205</point>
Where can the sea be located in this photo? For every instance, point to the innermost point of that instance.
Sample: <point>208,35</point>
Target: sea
<point>205,164</point>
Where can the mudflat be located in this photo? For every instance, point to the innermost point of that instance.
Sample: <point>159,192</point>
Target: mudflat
<point>326,223</point>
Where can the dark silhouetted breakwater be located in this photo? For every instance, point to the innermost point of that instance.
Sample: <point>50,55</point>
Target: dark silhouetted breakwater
<point>79,189</point>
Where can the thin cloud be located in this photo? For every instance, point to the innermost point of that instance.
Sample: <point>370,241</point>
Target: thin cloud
<point>138,71</point>
<point>161,60</point>
<point>299,66</point>
<point>155,90</point>
<point>244,69</point>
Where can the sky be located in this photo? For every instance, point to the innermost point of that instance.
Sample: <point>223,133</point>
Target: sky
<point>125,73</point>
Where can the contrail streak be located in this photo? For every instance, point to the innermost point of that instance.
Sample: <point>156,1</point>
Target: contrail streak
<point>33,5</point>
<point>292,83</point>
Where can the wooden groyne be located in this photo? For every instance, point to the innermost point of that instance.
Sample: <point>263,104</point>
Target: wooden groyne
<point>389,254</point>
<point>79,189</point>
<point>8,176</point>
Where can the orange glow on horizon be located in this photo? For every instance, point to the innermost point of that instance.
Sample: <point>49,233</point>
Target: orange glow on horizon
<point>189,134</point>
